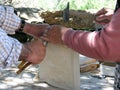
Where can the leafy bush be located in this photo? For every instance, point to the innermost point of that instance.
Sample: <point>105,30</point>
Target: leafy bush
<point>77,4</point>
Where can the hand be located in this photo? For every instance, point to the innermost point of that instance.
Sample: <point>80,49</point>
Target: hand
<point>104,16</point>
<point>33,52</point>
<point>55,34</point>
<point>36,30</point>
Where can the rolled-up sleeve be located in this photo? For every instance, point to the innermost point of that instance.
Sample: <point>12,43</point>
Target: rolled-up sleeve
<point>9,21</point>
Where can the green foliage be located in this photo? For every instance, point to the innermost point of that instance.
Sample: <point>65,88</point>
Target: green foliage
<point>76,4</point>
<point>89,4</point>
<point>96,4</point>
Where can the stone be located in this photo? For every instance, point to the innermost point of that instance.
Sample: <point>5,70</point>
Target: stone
<point>60,68</point>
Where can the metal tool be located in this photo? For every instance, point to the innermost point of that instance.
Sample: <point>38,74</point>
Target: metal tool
<point>66,13</point>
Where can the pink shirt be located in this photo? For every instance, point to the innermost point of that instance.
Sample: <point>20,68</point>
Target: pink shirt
<point>102,45</point>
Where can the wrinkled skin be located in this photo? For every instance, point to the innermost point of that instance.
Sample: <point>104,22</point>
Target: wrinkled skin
<point>55,34</point>
<point>35,30</point>
<point>33,52</point>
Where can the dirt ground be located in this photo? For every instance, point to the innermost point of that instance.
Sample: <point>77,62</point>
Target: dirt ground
<point>9,80</point>
<point>95,81</point>
<point>99,79</point>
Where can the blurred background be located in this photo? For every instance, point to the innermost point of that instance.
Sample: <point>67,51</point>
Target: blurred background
<point>61,4</point>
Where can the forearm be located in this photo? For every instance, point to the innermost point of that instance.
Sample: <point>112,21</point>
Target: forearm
<point>10,22</point>
<point>82,42</point>
<point>100,45</point>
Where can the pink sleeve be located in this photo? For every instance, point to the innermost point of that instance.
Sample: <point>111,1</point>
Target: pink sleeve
<point>102,45</point>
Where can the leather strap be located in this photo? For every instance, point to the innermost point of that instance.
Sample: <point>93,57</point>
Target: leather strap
<point>22,25</point>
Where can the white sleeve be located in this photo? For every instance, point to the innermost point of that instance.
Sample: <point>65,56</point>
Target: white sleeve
<point>9,21</point>
<point>10,50</point>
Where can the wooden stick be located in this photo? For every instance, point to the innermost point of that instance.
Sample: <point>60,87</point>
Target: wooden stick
<point>88,62</point>
<point>21,64</point>
<point>24,64</point>
<point>89,68</point>
<point>23,67</point>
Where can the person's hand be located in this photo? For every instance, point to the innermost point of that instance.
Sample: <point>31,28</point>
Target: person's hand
<point>36,30</point>
<point>104,16</point>
<point>55,34</point>
<point>33,52</point>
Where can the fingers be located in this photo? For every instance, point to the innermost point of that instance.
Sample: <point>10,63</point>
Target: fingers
<point>37,51</point>
<point>100,12</point>
<point>101,17</point>
<point>102,21</point>
<point>104,16</point>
